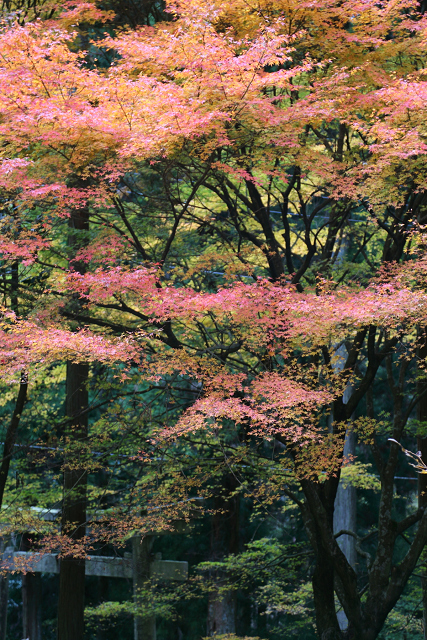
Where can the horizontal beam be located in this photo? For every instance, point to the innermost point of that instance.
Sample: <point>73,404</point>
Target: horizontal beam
<point>109,567</point>
<point>164,570</point>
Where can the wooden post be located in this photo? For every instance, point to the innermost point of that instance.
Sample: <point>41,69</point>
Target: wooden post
<point>144,626</point>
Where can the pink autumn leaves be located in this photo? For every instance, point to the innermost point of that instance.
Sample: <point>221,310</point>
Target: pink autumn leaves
<point>265,406</point>
<point>264,312</point>
<point>27,346</point>
<point>262,320</point>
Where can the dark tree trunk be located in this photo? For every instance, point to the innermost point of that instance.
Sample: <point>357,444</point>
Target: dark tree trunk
<point>221,613</point>
<point>103,581</point>
<point>324,598</point>
<point>72,570</point>
<point>9,441</point>
<point>318,518</point>
<point>31,599</point>
<point>11,432</point>
<point>332,573</point>
<point>14,286</point>
<point>102,597</point>
<point>272,249</point>
<point>144,626</point>
<point>31,606</point>
<point>224,539</point>
<point>387,578</point>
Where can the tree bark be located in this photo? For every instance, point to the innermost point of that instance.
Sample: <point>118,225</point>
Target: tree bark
<point>144,626</point>
<point>224,537</point>
<point>221,613</point>
<point>72,570</point>
<point>31,599</point>
<point>31,606</point>
<point>101,633</point>
<point>9,442</point>
<point>324,598</point>
<point>11,432</point>
<point>345,519</point>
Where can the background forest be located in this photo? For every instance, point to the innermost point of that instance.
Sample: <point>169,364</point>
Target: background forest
<point>213,319</point>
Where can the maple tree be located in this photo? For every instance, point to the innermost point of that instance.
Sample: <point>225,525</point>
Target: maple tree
<point>245,137</point>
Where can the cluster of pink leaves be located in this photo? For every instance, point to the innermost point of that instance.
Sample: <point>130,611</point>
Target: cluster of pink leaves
<point>101,284</point>
<point>103,251</point>
<point>276,309</point>
<point>25,346</point>
<point>265,316</point>
<point>186,80</point>
<point>268,405</point>
<point>23,248</point>
<point>54,100</point>
<point>178,84</point>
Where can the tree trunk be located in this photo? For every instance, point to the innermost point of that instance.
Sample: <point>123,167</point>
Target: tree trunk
<point>10,437</point>
<point>9,442</point>
<point>333,572</point>
<point>345,500</point>
<point>345,519</point>
<point>72,570</point>
<point>101,633</point>
<point>31,599</point>
<point>324,598</point>
<point>14,286</point>
<point>31,606</point>
<point>144,626</point>
<point>224,539</point>
<point>221,612</point>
